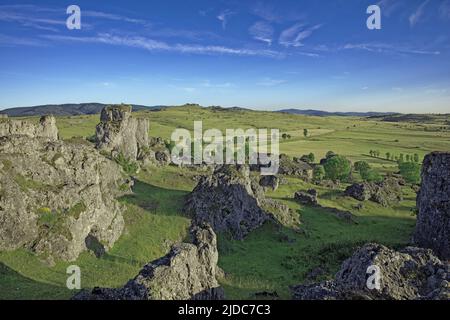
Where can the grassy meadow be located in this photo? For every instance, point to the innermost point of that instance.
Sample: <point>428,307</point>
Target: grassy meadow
<point>270,258</point>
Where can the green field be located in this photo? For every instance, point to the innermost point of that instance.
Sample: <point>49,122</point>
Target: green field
<point>270,258</point>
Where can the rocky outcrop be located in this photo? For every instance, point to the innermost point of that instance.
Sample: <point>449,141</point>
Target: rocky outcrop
<point>411,273</point>
<point>56,195</point>
<point>308,198</point>
<point>232,203</point>
<point>46,128</point>
<point>386,193</point>
<point>293,167</point>
<point>433,204</point>
<point>269,182</point>
<point>119,132</point>
<point>188,271</point>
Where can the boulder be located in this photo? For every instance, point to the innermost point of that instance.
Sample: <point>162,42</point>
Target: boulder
<point>409,274</point>
<point>433,204</point>
<point>118,131</point>
<point>386,193</point>
<point>188,272</point>
<point>269,182</point>
<point>46,128</point>
<point>55,195</point>
<point>289,166</point>
<point>308,198</point>
<point>232,203</point>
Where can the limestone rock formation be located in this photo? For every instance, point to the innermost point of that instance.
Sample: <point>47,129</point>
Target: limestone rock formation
<point>298,168</point>
<point>386,193</point>
<point>408,274</point>
<point>433,204</point>
<point>232,203</point>
<point>309,197</point>
<point>188,271</point>
<point>118,131</point>
<point>55,194</point>
<point>46,128</point>
<point>269,182</point>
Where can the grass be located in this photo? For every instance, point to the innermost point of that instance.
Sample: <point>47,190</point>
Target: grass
<point>270,258</point>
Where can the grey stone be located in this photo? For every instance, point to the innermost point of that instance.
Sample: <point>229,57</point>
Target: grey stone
<point>433,204</point>
<point>386,193</point>
<point>308,198</point>
<point>188,272</point>
<point>269,182</point>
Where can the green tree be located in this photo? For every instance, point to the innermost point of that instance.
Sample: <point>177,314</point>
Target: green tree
<point>416,158</point>
<point>371,175</point>
<point>410,171</point>
<point>361,165</point>
<point>402,157</point>
<point>388,155</point>
<point>319,173</point>
<point>305,132</point>
<point>337,168</point>
<point>330,154</point>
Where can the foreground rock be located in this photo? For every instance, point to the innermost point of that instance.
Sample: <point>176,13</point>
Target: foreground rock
<point>188,271</point>
<point>386,193</point>
<point>46,128</point>
<point>411,273</point>
<point>232,203</point>
<point>269,182</point>
<point>56,198</point>
<point>433,204</point>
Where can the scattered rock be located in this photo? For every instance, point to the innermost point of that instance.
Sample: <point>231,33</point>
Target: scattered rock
<point>408,274</point>
<point>269,182</point>
<point>433,204</point>
<point>386,193</point>
<point>307,198</point>
<point>188,272</point>
<point>232,203</point>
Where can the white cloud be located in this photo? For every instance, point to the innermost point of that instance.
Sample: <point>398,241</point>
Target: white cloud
<point>387,48</point>
<point>223,17</point>
<point>418,14</point>
<point>294,36</point>
<point>269,82</point>
<point>154,45</point>
<point>262,31</point>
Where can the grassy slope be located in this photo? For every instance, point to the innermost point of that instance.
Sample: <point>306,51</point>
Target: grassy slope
<point>265,260</point>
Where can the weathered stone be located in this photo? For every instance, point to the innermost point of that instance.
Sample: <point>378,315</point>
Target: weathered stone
<point>234,204</point>
<point>411,273</point>
<point>386,193</point>
<point>269,182</point>
<point>55,194</point>
<point>308,198</point>
<point>120,132</point>
<point>188,271</point>
<point>295,168</point>
<point>433,204</point>
<point>46,128</point>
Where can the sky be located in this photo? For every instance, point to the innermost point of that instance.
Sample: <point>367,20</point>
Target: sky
<point>265,55</point>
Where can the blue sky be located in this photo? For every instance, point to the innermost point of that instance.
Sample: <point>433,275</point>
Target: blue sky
<point>259,54</point>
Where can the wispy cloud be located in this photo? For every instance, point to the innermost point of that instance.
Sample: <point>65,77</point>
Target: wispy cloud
<point>155,45</point>
<point>8,41</point>
<point>272,13</point>
<point>387,48</point>
<point>294,36</point>
<point>29,20</point>
<point>262,31</point>
<point>388,7</point>
<point>223,17</point>
<point>418,14</point>
<point>115,17</point>
<point>209,84</point>
<point>269,82</point>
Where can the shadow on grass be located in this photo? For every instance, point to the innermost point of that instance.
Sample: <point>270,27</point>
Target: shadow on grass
<point>15,286</point>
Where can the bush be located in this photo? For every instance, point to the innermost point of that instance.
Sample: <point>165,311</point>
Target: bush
<point>337,168</point>
<point>128,166</point>
<point>361,166</point>
<point>410,171</point>
<point>319,173</point>
<point>371,175</point>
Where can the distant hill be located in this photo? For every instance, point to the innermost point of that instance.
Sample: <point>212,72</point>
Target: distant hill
<point>320,113</point>
<point>414,118</point>
<point>66,109</point>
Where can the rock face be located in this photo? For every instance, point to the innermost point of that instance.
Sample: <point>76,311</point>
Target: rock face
<point>309,197</point>
<point>232,203</point>
<point>46,128</point>
<point>55,195</point>
<point>269,182</point>
<point>119,132</point>
<point>433,204</point>
<point>385,193</point>
<point>411,273</point>
<point>188,271</point>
